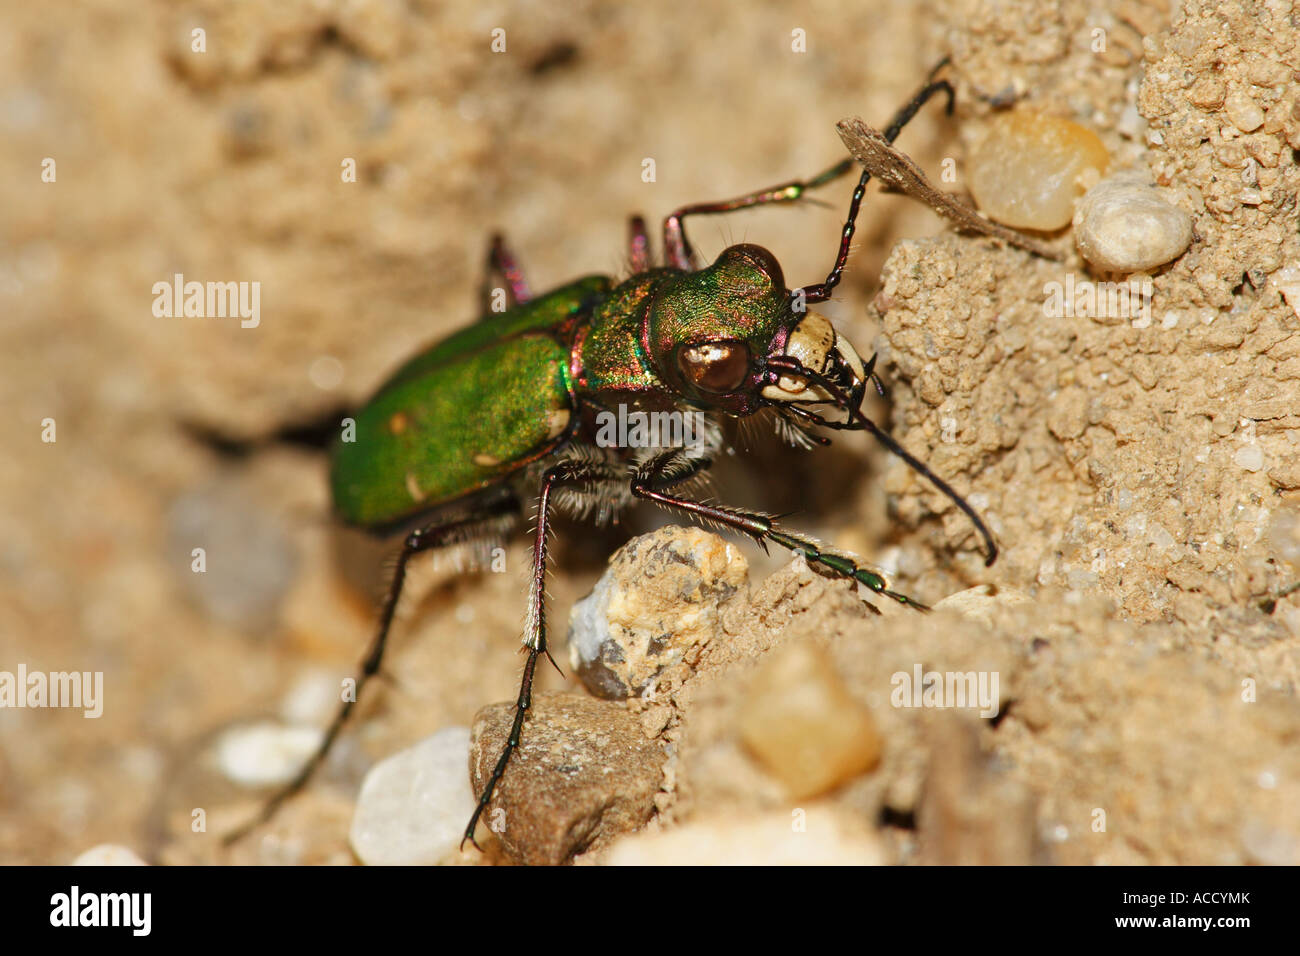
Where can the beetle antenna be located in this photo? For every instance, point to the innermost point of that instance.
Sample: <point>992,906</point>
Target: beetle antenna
<point>784,364</point>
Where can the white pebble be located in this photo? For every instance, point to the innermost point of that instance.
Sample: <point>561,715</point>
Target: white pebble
<point>817,837</point>
<point>109,854</point>
<point>589,629</point>
<point>979,604</point>
<point>313,699</point>
<point>414,805</point>
<point>1243,112</point>
<point>1269,846</point>
<point>1284,535</point>
<point>1160,538</point>
<point>1124,225</point>
<point>1287,281</point>
<point>326,373</point>
<point>1249,457</point>
<point>263,754</point>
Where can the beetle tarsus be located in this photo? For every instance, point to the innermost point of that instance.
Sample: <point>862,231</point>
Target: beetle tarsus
<point>653,484</point>
<point>638,245</point>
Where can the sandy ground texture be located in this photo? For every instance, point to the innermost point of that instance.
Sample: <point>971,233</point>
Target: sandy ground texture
<point>1141,476</point>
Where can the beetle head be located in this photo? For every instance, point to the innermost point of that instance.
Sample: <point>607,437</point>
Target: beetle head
<point>728,338</point>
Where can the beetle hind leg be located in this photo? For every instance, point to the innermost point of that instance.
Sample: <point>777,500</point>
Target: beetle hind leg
<point>638,245</point>
<point>677,247</point>
<point>502,265</point>
<point>461,530</point>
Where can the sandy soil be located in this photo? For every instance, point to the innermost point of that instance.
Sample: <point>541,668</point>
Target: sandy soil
<point>1144,481</point>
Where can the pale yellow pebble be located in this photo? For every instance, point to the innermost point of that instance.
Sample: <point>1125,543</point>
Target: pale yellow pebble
<point>1243,112</point>
<point>1028,169</point>
<point>800,722</point>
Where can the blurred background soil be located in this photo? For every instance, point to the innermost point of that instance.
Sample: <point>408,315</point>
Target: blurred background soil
<point>1143,482</point>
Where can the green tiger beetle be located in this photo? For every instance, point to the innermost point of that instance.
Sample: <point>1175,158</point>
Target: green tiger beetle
<point>462,434</point>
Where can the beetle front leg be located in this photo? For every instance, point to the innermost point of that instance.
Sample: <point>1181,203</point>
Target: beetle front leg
<point>502,263</point>
<point>822,291</point>
<point>423,539</point>
<point>672,468</point>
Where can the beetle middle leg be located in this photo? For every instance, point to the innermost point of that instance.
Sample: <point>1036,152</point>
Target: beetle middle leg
<point>573,471</point>
<point>659,475</point>
<point>677,248</point>
<point>456,531</point>
<point>501,263</point>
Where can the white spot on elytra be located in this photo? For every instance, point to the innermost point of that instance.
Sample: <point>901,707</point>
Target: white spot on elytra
<point>412,488</point>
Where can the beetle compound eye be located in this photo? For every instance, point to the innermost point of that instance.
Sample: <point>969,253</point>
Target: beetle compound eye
<point>715,366</point>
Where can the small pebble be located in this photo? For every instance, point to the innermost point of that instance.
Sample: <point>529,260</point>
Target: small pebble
<point>1124,225</point>
<point>109,854</point>
<point>818,836</point>
<point>266,753</point>
<point>1249,457</point>
<point>981,602</point>
<point>248,561</point>
<point>313,699</point>
<point>1287,281</point>
<point>1028,169</point>
<point>659,598</point>
<point>1284,534</point>
<point>1243,112</point>
<point>583,774</point>
<point>1207,92</point>
<point>802,724</point>
<point>326,373</point>
<point>414,805</point>
<point>1159,537</point>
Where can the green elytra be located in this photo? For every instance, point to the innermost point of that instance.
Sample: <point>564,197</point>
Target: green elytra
<point>462,415</point>
<point>509,390</point>
<point>459,436</point>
